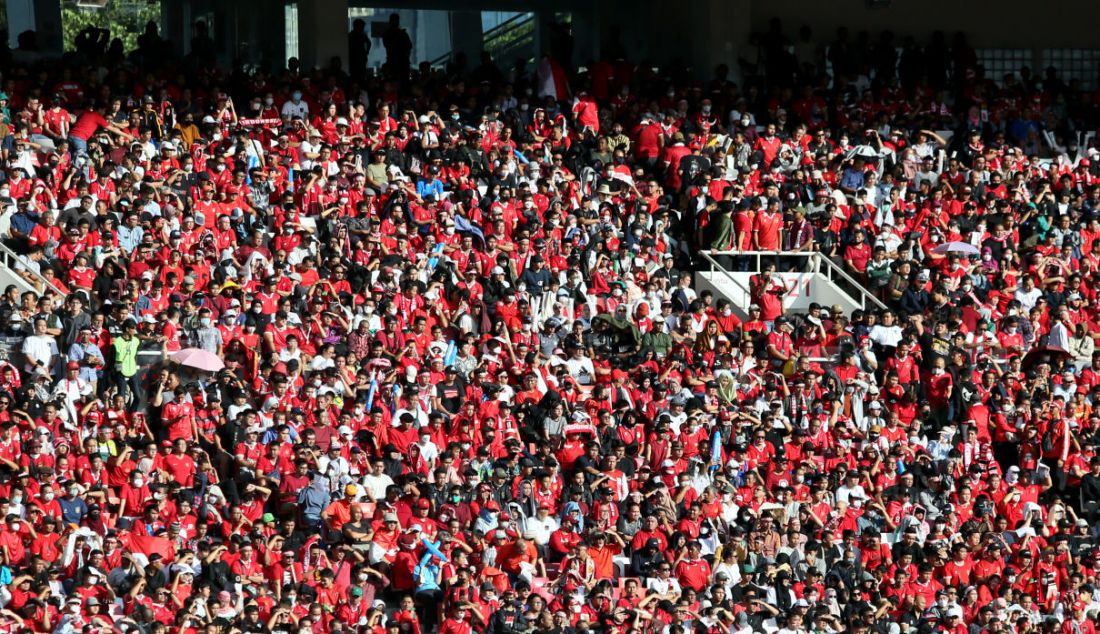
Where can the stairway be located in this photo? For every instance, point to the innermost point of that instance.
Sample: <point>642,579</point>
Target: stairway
<point>819,280</point>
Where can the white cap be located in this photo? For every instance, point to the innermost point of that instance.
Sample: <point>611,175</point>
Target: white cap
<point>497,271</point>
<point>341,121</point>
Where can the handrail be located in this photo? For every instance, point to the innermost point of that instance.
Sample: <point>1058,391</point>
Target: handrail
<point>816,259</point>
<point>716,266</point>
<point>851,280</point>
<point>512,23</point>
<point>10,258</point>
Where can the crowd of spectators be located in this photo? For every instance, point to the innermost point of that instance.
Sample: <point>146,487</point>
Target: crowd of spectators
<point>464,381</point>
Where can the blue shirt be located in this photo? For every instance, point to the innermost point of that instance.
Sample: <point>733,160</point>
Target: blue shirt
<point>433,187</point>
<point>79,351</point>
<point>24,222</point>
<point>129,239</point>
<point>852,179</point>
<point>72,511</point>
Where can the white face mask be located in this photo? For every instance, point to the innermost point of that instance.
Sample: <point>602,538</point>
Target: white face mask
<point>937,371</point>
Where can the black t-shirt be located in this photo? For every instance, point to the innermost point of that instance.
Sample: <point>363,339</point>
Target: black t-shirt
<point>450,395</point>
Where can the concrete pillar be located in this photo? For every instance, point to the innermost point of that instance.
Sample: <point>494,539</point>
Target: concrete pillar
<point>466,35</point>
<point>41,16</point>
<point>587,27</point>
<point>270,42</point>
<point>175,24</point>
<point>723,29</point>
<point>322,32</point>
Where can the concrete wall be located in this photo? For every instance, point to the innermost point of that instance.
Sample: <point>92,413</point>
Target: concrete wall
<point>1002,24</point>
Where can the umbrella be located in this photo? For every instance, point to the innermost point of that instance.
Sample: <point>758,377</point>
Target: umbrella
<point>865,151</point>
<point>964,248</point>
<point>199,359</point>
<point>1045,354</point>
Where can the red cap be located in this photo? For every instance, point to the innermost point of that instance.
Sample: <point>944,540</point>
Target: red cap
<point>72,365</point>
<point>423,503</point>
<point>492,505</point>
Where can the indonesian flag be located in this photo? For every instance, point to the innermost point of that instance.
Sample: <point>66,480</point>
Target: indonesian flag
<point>147,545</point>
<point>622,173</point>
<point>552,80</point>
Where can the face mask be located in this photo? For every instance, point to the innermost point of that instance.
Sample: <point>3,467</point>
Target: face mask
<point>296,96</point>
<point>617,292</point>
<point>449,231</point>
<point>706,109</point>
<point>47,496</point>
<point>986,257</point>
<point>138,482</point>
<point>727,312</point>
<point>205,322</point>
<point>937,371</point>
<point>17,499</point>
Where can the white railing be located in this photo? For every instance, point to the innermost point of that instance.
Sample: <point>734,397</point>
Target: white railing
<point>816,263</point>
<point>9,259</point>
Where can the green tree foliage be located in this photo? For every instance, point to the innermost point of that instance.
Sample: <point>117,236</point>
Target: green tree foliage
<point>124,19</point>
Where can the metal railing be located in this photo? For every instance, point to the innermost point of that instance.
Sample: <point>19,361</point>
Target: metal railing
<point>817,263</point>
<point>9,259</point>
<point>718,268</point>
<point>499,39</point>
